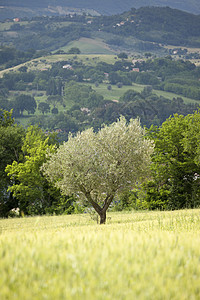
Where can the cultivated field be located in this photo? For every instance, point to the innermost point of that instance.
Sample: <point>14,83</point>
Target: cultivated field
<point>89,46</point>
<point>150,255</point>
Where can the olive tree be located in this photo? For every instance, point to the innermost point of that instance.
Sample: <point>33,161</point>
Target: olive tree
<point>97,166</point>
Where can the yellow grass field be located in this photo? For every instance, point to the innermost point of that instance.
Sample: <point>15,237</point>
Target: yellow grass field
<point>148,255</point>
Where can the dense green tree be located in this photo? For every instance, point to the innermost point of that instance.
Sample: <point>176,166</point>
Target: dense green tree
<point>74,50</point>
<point>4,103</point>
<point>23,103</point>
<point>122,55</point>
<point>11,136</point>
<point>52,87</point>
<point>32,191</point>
<point>175,171</point>
<point>129,96</point>
<point>114,77</point>
<point>54,100</point>
<point>97,166</point>
<point>192,139</point>
<point>82,95</point>
<point>54,111</point>
<point>44,107</point>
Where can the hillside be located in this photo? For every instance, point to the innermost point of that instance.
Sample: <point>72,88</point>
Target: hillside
<point>143,29</point>
<point>9,8</point>
<point>155,24</point>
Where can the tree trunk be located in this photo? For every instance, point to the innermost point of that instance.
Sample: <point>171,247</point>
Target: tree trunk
<point>100,210</point>
<point>102,217</point>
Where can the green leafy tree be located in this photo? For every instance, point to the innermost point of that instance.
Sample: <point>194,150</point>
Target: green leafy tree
<point>52,87</point>
<point>54,100</point>
<point>97,166</point>
<point>32,191</point>
<point>175,171</point>
<point>44,107</point>
<point>74,50</point>
<point>129,96</point>
<point>11,136</point>
<point>122,55</point>
<point>54,111</point>
<point>82,95</point>
<point>24,102</point>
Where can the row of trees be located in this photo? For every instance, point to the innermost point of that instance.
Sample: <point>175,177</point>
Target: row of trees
<point>10,56</point>
<point>154,169</point>
<point>27,103</point>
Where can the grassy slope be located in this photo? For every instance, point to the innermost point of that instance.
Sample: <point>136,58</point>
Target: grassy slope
<point>151,255</point>
<point>89,46</point>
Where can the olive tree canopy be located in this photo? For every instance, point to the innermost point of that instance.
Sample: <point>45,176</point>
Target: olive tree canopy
<point>97,166</point>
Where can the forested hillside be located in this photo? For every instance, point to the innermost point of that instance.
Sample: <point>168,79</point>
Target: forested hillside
<point>155,24</point>
<point>144,29</point>
<point>107,7</point>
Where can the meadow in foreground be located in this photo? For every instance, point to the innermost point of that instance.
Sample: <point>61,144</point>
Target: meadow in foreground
<point>150,255</point>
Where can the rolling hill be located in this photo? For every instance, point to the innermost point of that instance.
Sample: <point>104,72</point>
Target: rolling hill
<point>9,8</point>
<point>143,29</point>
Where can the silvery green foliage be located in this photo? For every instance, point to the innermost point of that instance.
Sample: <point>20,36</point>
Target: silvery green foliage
<point>99,165</point>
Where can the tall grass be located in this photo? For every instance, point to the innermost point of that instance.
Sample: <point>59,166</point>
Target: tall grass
<point>152,255</point>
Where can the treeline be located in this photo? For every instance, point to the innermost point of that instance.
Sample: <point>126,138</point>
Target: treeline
<point>10,57</point>
<point>172,184</point>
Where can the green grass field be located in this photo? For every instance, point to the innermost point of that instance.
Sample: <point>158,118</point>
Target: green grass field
<point>87,59</point>
<point>116,92</point>
<point>89,46</point>
<point>148,255</point>
<point>170,96</point>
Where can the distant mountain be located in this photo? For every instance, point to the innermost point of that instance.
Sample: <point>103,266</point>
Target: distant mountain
<point>105,7</point>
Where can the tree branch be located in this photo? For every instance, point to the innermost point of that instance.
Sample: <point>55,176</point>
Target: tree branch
<point>89,198</point>
<point>107,202</point>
